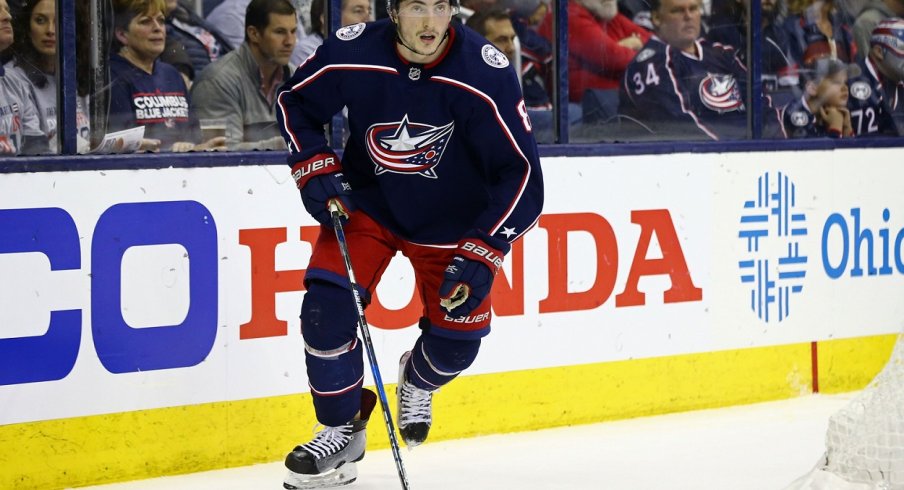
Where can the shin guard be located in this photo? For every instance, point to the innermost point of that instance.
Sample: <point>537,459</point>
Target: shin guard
<point>437,360</point>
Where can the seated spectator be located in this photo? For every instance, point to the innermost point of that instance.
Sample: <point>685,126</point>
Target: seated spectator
<point>683,87</point>
<point>241,87</point>
<point>823,108</point>
<point>536,52</point>
<point>34,60</point>
<point>873,12</point>
<point>145,91</point>
<point>728,25</point>
<point>601,44</point>
<point>821,31</point>
<point>353,12</point>
<point>496,25</point>
<point>877,96</point>
<point>201,42</point>
<point>229,18</point>
<point>20,126</point>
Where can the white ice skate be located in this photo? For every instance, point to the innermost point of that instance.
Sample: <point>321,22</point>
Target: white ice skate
<point>415,408</point>
<point>329,459</point>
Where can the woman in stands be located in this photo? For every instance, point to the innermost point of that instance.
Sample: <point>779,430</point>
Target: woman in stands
<point>34,58</point>
<point>146,91</point>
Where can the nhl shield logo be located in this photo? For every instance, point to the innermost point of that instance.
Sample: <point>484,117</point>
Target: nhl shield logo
<point>414,73</point>
<point>404,147</point>
<point>720,93</point>
<point>494,57</point>
<point>348,33</point>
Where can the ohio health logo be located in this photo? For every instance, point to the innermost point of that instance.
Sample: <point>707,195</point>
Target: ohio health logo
<point>774,265</point>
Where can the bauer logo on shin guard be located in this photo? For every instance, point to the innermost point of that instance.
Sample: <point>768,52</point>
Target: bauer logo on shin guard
<point>492,257</point>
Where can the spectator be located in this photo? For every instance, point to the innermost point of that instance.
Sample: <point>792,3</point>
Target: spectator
<point>877,96</point>
<point>821,31</point>
<point>872,13</point>
<point>536,52</point>
<point>229,18</point>
<point>202,43</point>
<point>601,44</point>
<point>20,126</point>
<point>146,91</point>
<point>496,26</point>
<point>728,26</point>
<point>823,108</point>
<point>682,86</point>
<point>241,87</point>
<point>353,12</point>
<point>34,60</point>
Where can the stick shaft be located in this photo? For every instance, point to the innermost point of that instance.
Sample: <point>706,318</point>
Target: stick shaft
<point>368,345</point>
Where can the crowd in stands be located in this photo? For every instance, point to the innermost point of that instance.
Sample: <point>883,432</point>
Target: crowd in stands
<point>637,69</point>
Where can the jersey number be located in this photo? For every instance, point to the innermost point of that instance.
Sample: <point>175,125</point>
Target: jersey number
<point>861,114</point>
<point>640,84</point>
<point>525,119</point>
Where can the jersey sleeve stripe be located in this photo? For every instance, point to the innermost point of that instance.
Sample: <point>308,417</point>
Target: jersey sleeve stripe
<point>314,76</point>
<point>527,169</point>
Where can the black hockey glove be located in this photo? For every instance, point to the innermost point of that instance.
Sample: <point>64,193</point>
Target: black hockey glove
<point>469,277</point>
<point>320,181</point>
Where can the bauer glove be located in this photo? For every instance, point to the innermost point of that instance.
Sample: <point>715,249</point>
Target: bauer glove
<point>320,181</point>
<point>469,277</point>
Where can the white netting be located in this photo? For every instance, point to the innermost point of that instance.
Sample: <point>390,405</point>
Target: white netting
<point>865,439</point>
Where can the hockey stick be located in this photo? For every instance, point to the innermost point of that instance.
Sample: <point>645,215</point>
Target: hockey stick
<point>368,344</point>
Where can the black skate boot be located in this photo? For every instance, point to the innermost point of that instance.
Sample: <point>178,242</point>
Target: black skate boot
<point>329,459</point>
<point>415,408</point>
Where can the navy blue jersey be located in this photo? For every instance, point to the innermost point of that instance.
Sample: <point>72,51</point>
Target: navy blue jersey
<point>682,95</point>
<point>870,113</point>
<point>159,101</point>
<point>798,121</point>
<point>434,151</point>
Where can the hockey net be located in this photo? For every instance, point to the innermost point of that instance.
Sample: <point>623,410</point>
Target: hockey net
<point>865,439</point>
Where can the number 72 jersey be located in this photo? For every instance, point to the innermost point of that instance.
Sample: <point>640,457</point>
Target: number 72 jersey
<point>870,115</point>
<point>682,94</point>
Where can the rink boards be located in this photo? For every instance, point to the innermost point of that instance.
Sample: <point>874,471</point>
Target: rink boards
<point>149,318</point>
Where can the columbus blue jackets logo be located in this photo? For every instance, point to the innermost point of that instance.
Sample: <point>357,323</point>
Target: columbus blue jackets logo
<point>493,56</point>
<point>348,33</point>
<point>861,90</point>
<point>404,147</point>
<point>720,93</point>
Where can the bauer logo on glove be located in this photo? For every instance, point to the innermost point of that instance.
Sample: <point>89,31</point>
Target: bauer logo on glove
<point>469,276</point>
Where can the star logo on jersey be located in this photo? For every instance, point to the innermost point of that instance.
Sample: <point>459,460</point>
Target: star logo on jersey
<point>721,93</point>
<point>508,232</point>
<point>405,147</point>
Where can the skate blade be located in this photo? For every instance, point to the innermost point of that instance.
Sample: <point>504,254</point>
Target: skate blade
<point>338,477</point>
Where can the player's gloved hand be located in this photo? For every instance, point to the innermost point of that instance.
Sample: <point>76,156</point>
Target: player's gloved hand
<point>320,181</point>
<point>469,277</point>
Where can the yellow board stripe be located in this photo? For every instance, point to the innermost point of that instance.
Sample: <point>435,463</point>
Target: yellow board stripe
<point>149,443</point>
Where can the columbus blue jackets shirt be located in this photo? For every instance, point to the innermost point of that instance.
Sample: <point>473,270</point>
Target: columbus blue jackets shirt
<point>159,101</point>
<point>870,112</point>
<point>686,96</point>
<point>434,150</point>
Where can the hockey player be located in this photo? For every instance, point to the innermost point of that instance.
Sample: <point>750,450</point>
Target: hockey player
<point>440,165</point>
<point>681,86</point>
